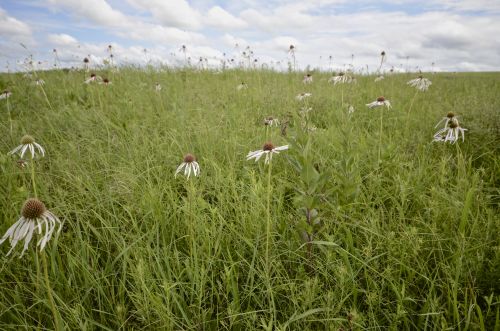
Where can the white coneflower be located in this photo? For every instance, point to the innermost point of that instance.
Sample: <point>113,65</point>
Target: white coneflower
<point>28,143</point>
<point>242,86</point>
<point>157,87</point>
<point>271,121</point>
<point>303,96</point>
<point>40,82</point>
<point>450,133</point>
<point>34,217</point>
<point>341,78</point>
<point>5,94</point>
<point>268,150</point>
<point>381,101</point>
<point>379,78</point>
<point>420,83</point>
<point>449,117</point>
<point>308,79</point>
<point>350,109</point>
<point>189,165</point>
<point>92,78</point>
<point>105,81</point>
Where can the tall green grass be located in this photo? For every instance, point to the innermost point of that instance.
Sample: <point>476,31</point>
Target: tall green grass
<point>409,240</point>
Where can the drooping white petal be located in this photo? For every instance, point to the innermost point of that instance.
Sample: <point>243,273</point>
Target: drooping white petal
<point>179,168</point>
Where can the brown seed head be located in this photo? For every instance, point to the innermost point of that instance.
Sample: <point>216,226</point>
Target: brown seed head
<point>380,99</point>
<point>92,75</point>
<point>105,81</point>
<point>383,53</point>
<point>27,139</point>
<point>33,209</point>
<point>450,115</point>
<point>188,158</point>
<point>268,146</point>
<point>453,124</point>
<point>86,60</point>
<point>341,74</point>
<point>420,77</point>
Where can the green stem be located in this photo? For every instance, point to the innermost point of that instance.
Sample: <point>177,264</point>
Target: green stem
<point>32,166</point>
<point>380,135</point>
<point>57,325</point>
<point>10,116</point>
<point>409,110</point>
<point>268,219</point>
<point>46,98</point>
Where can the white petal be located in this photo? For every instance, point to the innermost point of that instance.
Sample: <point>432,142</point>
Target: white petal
<point>15,149</point>
<point>32,150</point>
<point>281,148</point>
<point>179,168</point>
<point>23,150</point>
<point>29,235</point>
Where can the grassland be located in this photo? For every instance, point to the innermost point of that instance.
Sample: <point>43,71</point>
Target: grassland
<point>364,223</point>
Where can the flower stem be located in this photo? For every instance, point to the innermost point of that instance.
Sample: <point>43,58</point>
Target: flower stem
<point>268,219</point>
<point>46,98</point>
<point>409,110</point>
<point>380,135</point>
<point>33,184</point>
<point>57,325</point>
<point>10,116</point>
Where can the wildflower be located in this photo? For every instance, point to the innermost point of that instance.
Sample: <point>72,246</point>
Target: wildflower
<point>381,101</point>
<point>28,142</point>
<point>342,78</point>
<point>189,165</point>
<point>304,111</point>
<point>268,150</point>
<point>449,117</point>
<point>308,79</point>
<point>5,94</point>
<point>420,83</point>
<point>271,121</point>
<point>157,87</point>
<point>34,216</point>
<point>86,60</point>
<point>40,82</point>
<point>450,132</point>
<point>242,86</point>
<point>302,96</point>
<point>105,81</point>
<point>350,109</point>
<point>92,78</point>
<point>379,78</point>
<point>291,50</point>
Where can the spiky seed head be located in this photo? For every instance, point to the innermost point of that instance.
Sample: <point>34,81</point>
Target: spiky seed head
<point>188,158</point>
<point>86,60</point>
<point>268,146</point>
<point>33,209</point>
<point>308,75</point>
<point>453,124</point>
<point>92,75</point>
<point>383,53</point>
<point>341,74</point>
<point>27,139</point>
<point>380,99</point>
<point>292,47</point>
<point>450,115</point>
<point>105,81</point>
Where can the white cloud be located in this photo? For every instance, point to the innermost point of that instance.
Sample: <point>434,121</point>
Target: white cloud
<point>220,18</point>
<point>62,39</point>
<point>176,13</point>
<point>12,28</point>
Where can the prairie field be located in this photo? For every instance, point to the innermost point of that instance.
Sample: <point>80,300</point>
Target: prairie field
<point>364,222</point>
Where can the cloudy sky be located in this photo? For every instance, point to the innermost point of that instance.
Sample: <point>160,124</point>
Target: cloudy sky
<point>456,35</point>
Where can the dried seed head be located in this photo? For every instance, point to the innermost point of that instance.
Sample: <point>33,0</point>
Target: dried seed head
<point>92,75</point>
<point>292,47</point>
<point>85,60</point>
<point>380,99</point>
<point>383,53</point>
<point>268,146</point>
<point>188,158</point>
<point>450,115</point>
<point>27,139</point>
<point>308,75</point>
<point>105,81</point>
<point>341,74</point>
<point>33,209</point>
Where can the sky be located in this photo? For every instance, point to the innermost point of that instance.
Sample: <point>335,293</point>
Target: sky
<point>438,35</point>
